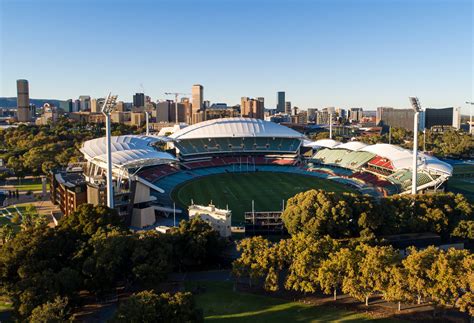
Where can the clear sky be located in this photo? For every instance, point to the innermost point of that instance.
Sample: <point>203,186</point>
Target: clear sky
<point>344,53</point>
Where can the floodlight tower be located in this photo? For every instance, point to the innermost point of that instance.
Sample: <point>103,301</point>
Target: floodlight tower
<point>107,108</point>
<point>176,94</point>
<point>470,116</point>
<point>415,104</point>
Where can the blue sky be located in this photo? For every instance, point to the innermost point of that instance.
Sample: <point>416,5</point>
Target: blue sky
<point>359,53</point>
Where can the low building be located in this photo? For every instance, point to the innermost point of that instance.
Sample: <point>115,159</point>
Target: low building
<point>68,189</point>
<point>219,219</point>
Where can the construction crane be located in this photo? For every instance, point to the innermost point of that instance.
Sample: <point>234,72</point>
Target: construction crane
<point>176,94</point>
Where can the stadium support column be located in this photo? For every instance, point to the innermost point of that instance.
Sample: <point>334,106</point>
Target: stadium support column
<point>416,108</point>
<point>110,186</point>
<point>107,108</point>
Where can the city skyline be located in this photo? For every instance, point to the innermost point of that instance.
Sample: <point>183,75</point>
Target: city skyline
<point>325,54</point>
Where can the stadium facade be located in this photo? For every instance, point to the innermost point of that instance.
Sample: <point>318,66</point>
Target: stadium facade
<point>146,169</point>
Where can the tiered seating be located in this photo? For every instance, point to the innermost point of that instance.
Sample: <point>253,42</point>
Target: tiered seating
<point>230,145</point>
<point>381,162</point>
<point>157,172</point>
<point>371,179</point>
<point>403,178</point>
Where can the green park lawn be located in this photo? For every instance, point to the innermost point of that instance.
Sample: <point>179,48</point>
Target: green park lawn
<point>462,181</point>
<point>237,191</point>
<point>221,304</point>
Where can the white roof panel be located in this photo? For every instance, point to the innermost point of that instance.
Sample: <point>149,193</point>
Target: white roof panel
<point>128,150</point>
<point>352,145</point>
<point>326,143</point>
<point>235,127</point>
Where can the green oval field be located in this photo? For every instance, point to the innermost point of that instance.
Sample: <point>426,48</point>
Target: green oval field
<point>237,190</point>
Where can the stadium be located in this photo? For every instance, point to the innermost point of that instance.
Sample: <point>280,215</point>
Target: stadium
<point>246,165</point>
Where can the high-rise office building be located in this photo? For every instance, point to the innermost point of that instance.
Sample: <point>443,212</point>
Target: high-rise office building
<point>76,105</point>
<point>188,111</point>
<point>280,102</point>
<point>66,106</point>
<point>288,107</point>
<point>23,101</point>
<point>95,106</point>
<point>398,118</point>
<point>355,114</point>
<point>120,107</point>
<point>312,114</point>
<point>251,108</point>
<point>85,102</point>
<point>341,113</point>
<point>138,100</point>
<point>441,117</point>
<point>197,97</point>
<point>163,110</point>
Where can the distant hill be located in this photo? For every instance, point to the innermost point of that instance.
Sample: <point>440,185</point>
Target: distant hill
<point>11,102</point>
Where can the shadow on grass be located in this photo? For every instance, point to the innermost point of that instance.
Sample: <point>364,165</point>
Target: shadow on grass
<point>220,303</point>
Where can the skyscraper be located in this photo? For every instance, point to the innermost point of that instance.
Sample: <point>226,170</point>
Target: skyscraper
<point>23,101</point>
<point>288,107</point>
<point>355,114</point>
<point>197,96</point>
<point>67,106</point>
<point>95,106</point>
<point>139,100</point>
<point>281,102</point>
<point>251,108</point>
<point>85,102</point>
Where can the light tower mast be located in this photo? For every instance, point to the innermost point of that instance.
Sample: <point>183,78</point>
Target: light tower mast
<point>109,105</point>
<point>415,104</point>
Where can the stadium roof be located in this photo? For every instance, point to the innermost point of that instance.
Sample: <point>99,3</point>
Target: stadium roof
<point>127,151</point>
<point>401,158</point>
<point>326,143</point>
<point>352,145</point>
<point>235,127</point>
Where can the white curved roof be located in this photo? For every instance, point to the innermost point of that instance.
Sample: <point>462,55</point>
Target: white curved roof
<point>403,158</point>
<point>235,127</point>
<point>352,145</point>
<point>127,151</point>
<point>326,143</point>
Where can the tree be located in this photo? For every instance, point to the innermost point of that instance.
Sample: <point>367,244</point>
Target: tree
<point>87,219</point>
<point>466,302</point>
<point>368,271</point>
<point>51,312</point>
<point>251,262</point>
<point>320,213</point>
<point>417,265</point>
<point>109,262</point>
<point>152,258</point>
<point>147,307</point>
<point>306,257</point>
<point>333,270</point>
<point>195,243</point>
<point>448,275</point>
<point>6,233</point>
<point>464,229</point>
<point>398,289</point>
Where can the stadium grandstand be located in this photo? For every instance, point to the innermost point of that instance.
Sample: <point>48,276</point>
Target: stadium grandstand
<point>148,170</point>
<point>382,165</point>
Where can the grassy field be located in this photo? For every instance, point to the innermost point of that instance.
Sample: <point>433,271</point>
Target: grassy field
<point>28,184</point>
<point>13,211</point>
<point>221,304</point>
<point>462,181</point>
<point>238,190</point>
